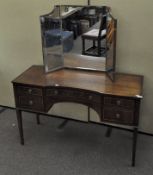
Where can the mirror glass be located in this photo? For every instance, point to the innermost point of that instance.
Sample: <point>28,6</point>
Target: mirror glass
<point>75,37</point>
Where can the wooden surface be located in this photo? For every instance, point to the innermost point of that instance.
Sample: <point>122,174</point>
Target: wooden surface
<point>124,85</point>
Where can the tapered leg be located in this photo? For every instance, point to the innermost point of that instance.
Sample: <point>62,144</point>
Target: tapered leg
<point>135,133</point>
<point>20,126</point>
<point>38,119</point>
<point>109,131</point>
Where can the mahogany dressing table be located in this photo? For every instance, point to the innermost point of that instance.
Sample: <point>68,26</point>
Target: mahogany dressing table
<point>116,102</point>
<point>71,76</point>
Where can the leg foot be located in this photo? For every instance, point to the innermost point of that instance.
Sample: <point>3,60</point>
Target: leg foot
<point>108,132</point>
<point>135,133</point>
<point>20,126</point>
<point>38,119</point>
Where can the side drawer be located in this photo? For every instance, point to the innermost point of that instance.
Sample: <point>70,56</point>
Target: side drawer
<point>120,102</point>
<point>118,115</point>
<point>31,102</point>
<point>23,90</point>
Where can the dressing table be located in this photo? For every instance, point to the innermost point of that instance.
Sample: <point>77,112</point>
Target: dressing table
<point>115,102</point>
<point>68,76</point>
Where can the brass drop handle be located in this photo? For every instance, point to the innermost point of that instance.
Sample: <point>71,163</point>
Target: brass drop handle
<point>118,116</point>
<point>55,92</point>
<point>30,102</point>
<point>30,90</point>
<point>90,97</point>
<point>118,102</point>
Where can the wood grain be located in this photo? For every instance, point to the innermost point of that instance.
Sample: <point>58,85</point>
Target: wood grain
<point>125,84</point>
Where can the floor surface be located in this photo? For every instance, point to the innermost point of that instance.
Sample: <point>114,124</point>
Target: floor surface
<point>78,149</point>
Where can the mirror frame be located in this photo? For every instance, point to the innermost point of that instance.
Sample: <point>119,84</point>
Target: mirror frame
<point>111,53</point>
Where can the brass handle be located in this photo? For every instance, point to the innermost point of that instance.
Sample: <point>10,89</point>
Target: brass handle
<point>30,102</point>
<point>55,92</point>
<point>118,102</point>
<point>90,97</point>
<point>118,116</point>
<point>30,90</point>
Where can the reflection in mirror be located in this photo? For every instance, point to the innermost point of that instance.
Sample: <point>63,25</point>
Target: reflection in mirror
<point>77,37</point>
<point>51,30</point>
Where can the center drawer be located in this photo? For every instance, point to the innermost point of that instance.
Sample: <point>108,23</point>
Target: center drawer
<point>76,95</point>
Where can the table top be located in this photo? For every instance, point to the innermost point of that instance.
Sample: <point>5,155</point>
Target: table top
<point>127,85</point>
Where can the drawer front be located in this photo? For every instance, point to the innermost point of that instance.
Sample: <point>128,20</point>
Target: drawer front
<point>77,95</point>
<point>120,102</point>
<point>21,90</point>
<point>30,102</point>
<point>117,115</point>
